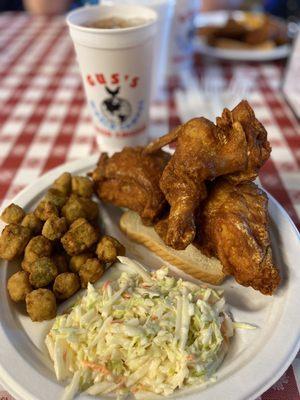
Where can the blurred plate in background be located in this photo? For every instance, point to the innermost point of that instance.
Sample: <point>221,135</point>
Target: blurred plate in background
<point>219,18</point>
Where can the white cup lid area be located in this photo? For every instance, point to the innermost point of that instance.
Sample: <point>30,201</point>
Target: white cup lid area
<point>106,38</point>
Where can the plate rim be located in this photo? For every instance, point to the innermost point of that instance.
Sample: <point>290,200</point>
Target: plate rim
<point>21,393</point>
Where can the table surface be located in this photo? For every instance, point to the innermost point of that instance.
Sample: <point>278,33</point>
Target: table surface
<point>44,122</point>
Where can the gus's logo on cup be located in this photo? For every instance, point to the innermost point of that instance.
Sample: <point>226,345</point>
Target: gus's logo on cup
<point>115,102</point>
<point>114,108</point>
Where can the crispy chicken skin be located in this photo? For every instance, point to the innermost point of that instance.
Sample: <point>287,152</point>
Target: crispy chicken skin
<point>130,179</point>
<point>233,226</point>
<point>236,146</point>
<point>258,147</point>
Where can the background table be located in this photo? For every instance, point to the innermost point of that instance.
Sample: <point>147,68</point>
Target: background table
<point>44,122</point>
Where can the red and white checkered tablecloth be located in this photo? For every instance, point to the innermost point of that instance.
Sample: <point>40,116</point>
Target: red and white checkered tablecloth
<point>44,122</point>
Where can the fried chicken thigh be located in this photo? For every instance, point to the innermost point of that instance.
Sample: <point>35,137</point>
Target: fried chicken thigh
<point>236,146</point>
<point>233,226</point>
<point>130,179</point>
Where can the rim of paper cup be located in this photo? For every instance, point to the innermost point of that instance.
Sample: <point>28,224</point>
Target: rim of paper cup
<point>151,21</point>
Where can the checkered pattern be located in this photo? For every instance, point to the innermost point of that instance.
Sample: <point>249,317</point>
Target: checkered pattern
<point>44,122</point>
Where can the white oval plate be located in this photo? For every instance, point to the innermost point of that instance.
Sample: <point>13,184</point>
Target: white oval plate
<point>219,18</point>
<point>256,359</point>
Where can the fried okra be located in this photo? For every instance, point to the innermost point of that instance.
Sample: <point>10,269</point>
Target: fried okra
<point>79,207</point>
<point>76,262</point>
<point>45,210</point>
<point>43,272</point>
<point>55,227</point>
<point>38,247</point>
<point>13,214</point>
<point>61,262</point>
<point>82,186</point>
<point>18,286</point>
<point>41,305</point>
<point>90,272</point>
<point>63,183</point>
<point>79,238</point>
<point>65,285</point>
<point>13,241</point>
<point>56,197</point>
<point>109,248</point>
<point>33,223</point>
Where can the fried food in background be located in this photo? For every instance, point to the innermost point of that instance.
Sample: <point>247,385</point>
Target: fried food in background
<point>233,226</point>
<point>236,147</point>
<point>131,179</point>
<point>230,44</point>
<point>251,31</point>
<point>55,241</point>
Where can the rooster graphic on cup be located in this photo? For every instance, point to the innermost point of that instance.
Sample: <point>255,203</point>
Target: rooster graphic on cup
<point>116,109</point>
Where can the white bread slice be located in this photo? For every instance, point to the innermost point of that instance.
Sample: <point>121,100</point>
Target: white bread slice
<point>190,260</point>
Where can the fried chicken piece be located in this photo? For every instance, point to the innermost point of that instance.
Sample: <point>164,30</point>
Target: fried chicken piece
<point>232,29</point>
<point>236,146</point>
<point>258,147</point>
<point>130,179</point>
<point>249,32</point>
<point>233,226</point>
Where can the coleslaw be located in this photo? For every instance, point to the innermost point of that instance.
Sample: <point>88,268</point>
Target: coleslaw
<point>141,334</point>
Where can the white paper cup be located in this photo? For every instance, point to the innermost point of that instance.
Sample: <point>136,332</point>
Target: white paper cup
<point>165,13</point>
<point>116,68</point>
<point>181,43</point>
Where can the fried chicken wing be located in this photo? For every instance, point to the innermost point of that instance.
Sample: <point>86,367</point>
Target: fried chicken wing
<point>233,225</point>
<point>258,147</point>
<point>236,146</point>
<point>130,179</point>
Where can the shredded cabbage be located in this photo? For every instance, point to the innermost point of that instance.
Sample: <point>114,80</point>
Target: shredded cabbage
<point>141,334</point>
